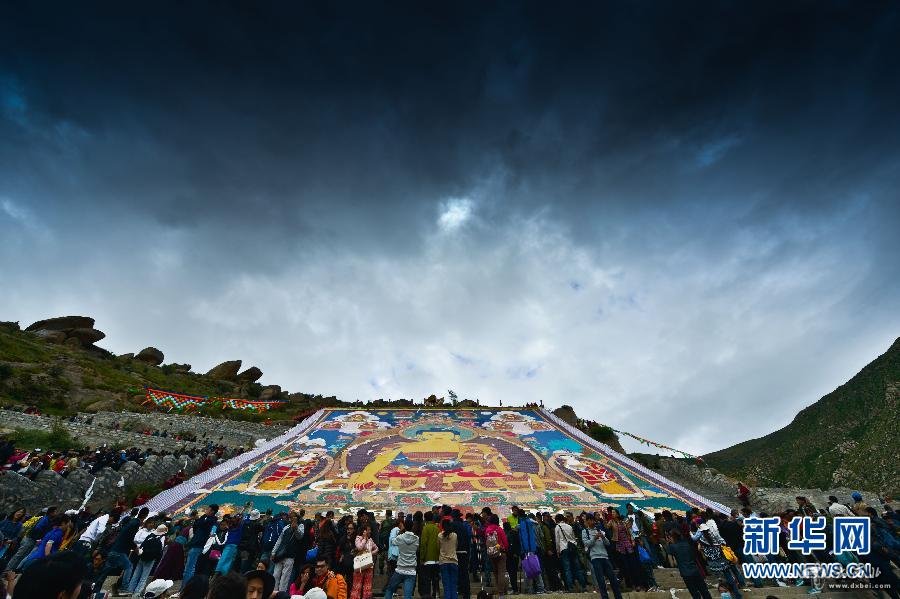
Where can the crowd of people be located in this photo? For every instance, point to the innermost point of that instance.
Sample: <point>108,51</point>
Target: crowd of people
<point>443,553</point>
<point>31,462</point>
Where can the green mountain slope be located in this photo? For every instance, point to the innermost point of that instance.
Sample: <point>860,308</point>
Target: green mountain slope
<point>850,437</point>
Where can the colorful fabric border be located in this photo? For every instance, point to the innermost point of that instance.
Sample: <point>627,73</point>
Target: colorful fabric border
<point>188,403</point>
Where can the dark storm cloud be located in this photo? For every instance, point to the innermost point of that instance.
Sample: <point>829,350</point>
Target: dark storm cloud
<point>698,176</point>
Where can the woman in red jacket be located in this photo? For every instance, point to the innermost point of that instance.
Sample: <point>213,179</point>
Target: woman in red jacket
<point>497,546</point>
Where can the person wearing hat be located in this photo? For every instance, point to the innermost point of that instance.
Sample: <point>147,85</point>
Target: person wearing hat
<point>859,506</point>
<point>248,547</point>
<point>158,588</point>
<point>150,549</point>
<point>313,593</point>
<point>260,584</point>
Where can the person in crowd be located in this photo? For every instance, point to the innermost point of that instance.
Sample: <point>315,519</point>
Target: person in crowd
<point>196,588</point>
<point>300,585</point>
<point>711,547</point>
<point>859,506</point>
<point>50,542</point>
<point>447,560</point>
<point>149,550</point>
<point>200,531</point>
<point>513,555</point>
<point>248,548</point>
<point>327,542</point>
<point>362,578</point>
<point>346,550</point>
<point>388,525</point>
<point>463,547</point>
<point>567,549</point>
<point>117,558</point>
<point>683,551</point>
<point>429,554</point>
<point>260,584</point>
<point>529,543</point>
<point>596,542</point>
<point>235,526</point>
<point>496,548</point>
<point>58,576</point>
<point>227,586</point>
<point>334,585</point>
<point>10,529</point>
<point>33,535</point>
<point>837,509</point>
<point>171,564</point>
<point>407,544</point>
<point>286,551</point>
<point>621,536</point>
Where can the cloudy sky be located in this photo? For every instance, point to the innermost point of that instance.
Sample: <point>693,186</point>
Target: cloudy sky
<point>682,219</point>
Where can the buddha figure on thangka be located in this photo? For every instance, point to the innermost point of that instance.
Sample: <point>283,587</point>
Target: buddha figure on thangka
<point>437,455</point>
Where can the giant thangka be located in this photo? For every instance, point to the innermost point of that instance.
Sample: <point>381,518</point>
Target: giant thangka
<point>411,459</point>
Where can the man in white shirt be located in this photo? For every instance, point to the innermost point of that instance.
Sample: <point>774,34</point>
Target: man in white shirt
<point>837,509</point>
<point>94,531</point>
<point>567,548</point>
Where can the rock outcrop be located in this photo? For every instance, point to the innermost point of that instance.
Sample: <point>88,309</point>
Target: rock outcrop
<point>226,371</point>
<point>151,355</point>
<point>61,323</point>
<point>251,375</point>
<point>73,331</point>
<point>270,392</point>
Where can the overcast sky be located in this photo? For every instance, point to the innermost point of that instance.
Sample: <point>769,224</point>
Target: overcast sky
<point>681,219</point>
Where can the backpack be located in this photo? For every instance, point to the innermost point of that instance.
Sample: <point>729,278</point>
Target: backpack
<point>492,543</point>
<point>107,538</point>
<point>270,535</point>
<point>151,548</point>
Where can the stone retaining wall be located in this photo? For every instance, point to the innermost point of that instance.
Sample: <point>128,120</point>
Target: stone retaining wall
<point>228,432</point>
<point>103,429</point>
<point>93,435</point>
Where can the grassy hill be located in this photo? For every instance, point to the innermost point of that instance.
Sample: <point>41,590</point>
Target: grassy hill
<point>61,379</point>
<point>850,437</point>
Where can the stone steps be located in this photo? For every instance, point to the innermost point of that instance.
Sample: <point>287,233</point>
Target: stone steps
<point>668,579</point>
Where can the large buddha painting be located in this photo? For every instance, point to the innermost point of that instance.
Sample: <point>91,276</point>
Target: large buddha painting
<point>409,459</point>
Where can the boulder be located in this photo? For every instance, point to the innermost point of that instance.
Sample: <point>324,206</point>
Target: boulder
<point>51,336</point>
<point>72,342</point>
<point>87,336</point>
<point>226,371</point>
<point>151,355</point>
<point>62,323</point>
<point>251,375</point>
<point>180,367</point>
<point>270,392</point>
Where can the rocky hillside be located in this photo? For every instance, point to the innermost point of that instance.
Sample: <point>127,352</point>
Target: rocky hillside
<point>850,437</point>
<point>55,366</point>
